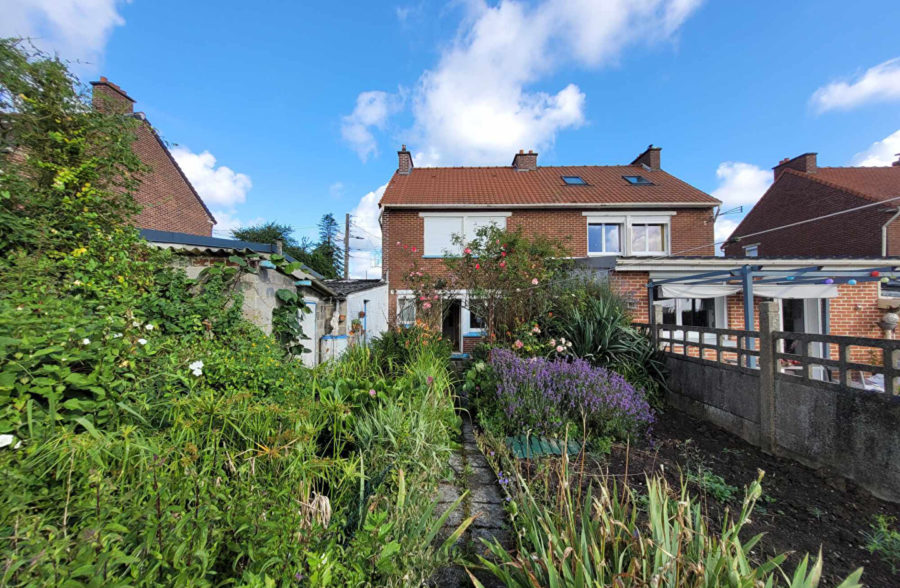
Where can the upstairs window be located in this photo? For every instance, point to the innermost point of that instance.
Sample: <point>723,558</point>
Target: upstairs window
<point>604,238</point>
<point>574,180</point>
<point>648,239</point>
<point>751,251</point>
<point>440,230</point>
<point>638,180</point>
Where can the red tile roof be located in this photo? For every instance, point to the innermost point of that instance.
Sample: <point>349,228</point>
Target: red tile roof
<point>506,186</point>
<point>874,183</point>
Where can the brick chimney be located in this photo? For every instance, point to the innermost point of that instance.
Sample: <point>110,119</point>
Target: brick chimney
<point>109,98</point>
<point>525,161</point>
<point>805,163</point>
<point>406,163</point>
<point>650,158</point>
<point>896,163</point>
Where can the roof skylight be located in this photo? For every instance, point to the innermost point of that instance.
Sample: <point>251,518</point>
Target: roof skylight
<point>574,180</point>
<point>638,180</point>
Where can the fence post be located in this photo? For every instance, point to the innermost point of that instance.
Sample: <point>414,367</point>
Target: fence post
<point>768,321</point>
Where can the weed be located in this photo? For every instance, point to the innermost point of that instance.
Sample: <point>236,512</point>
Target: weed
<point>885,541</point>
<point>712,484</point>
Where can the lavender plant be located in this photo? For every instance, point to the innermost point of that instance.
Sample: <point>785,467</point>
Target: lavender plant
<point>544,395</point>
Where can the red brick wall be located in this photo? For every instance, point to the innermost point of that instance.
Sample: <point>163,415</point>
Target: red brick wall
<point>167,199</point>
<point>795,198</point>
<point>633,287</point>
<point>168,202</point>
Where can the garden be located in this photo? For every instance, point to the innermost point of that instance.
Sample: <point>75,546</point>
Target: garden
<point>149,435</point>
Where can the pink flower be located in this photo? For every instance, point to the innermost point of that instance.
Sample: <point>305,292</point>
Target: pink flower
<point>518,344</point>
<point>467,251</point>
<point>534,282</point>
<point>426,306</point>
<point>372,393</point>
<point>536,329</point>
<point>560,348</point>
<point>429,380</point>
<point>477,266</point>
<point>503,254</point>
<point>502,264</point>
<point>413,249</point>
<point>398,243</point>
<point>435,296</point>
<point>422,298</point>
<point>498,241</point>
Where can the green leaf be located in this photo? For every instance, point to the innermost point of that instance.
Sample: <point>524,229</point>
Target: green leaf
<point>286,295</point>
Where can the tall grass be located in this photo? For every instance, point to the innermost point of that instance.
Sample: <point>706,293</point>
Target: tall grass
<point>613,537</point>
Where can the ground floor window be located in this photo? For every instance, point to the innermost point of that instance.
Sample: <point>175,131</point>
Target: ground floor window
<point>406,311</point>
<point>694,312</point>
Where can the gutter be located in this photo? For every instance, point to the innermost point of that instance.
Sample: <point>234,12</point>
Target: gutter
<point>552,205</point>
<point>884,236</point>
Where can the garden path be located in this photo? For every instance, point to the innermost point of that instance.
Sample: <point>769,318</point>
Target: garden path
<point>471,472</point>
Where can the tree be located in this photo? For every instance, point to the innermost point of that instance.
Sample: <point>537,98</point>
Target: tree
<point>315,256</point>
<point>328,246</point>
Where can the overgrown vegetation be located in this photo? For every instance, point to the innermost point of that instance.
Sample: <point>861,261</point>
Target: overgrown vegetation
<point>609,536</point>
<point>324,256</point>
<point>150,435</point>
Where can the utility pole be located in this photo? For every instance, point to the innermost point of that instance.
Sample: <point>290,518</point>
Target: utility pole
<point>347,246</point>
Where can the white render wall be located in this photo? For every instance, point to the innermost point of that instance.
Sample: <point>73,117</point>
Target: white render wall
<point>376,309</point>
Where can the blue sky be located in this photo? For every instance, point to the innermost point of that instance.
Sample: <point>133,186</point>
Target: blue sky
<point>285,110</point>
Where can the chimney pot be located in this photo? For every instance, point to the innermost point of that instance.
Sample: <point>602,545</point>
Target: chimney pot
<point>525,161</point>
<point>896,163</point>
<point>650,158</point>
<point>405,162</point>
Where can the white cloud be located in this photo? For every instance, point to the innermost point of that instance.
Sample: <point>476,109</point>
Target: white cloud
<point>373,109</point>
<point>365,253</point>
<point>220,187</point>
<point>879,84</point>
<point>477,106</point>
<point>336,190</point>
<point>76,29</point>
<point>227,221</point>
<point>879,153</point>
<point>740,184</point>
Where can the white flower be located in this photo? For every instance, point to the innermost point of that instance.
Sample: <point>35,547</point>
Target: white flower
<point>560,348</point>
<point>117,335</point>
<point>85,341</point>
<point>135,323</point>
<point>568,344</point>
<point>552,342</point>
<point>7,440</point>
<point>196,368</point>
<point>563,340</point>
<point>149,327</point>
<point>142,341</point>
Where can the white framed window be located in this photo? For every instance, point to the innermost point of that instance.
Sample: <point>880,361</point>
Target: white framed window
<point>631,233</point>
<point>751,251</point>
<point>649,238</point>
<point>440,228</point>
<point>695,312</point>
<point>406,311</point>
<point>604,238</point>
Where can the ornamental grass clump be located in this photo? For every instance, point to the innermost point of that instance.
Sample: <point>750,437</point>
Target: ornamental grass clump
<point>544,395</point>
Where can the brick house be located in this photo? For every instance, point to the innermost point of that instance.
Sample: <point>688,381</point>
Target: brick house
<point>169,202</point>
<point>599,212</point>
<point>802,190</point>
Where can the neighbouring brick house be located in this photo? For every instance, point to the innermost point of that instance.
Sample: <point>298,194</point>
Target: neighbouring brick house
<point>599,212</point>
<point>169,202</point>
<point>816,295</point>
<point>802,190</point>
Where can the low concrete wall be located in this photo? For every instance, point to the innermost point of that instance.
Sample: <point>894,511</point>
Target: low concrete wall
<point>852,433</point>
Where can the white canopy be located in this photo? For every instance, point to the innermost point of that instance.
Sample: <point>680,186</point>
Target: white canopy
<point>698,291</point>
<point>796,291</point>
<point>763,290</point>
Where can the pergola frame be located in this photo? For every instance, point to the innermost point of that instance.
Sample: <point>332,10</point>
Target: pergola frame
<point>748,275</point>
